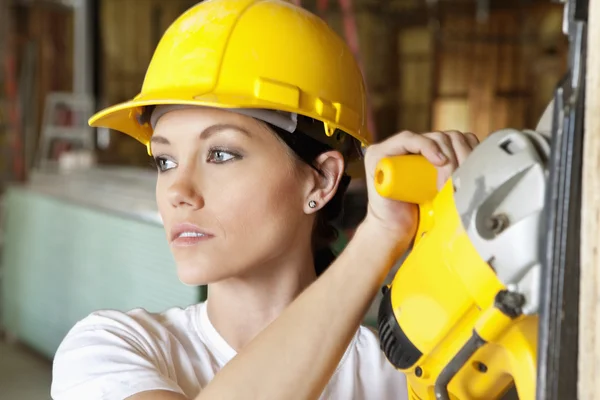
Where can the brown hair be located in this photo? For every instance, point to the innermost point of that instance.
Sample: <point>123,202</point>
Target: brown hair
<point>307,150</point>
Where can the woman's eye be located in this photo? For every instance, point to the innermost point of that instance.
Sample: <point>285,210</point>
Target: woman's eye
<point>163,164</point>
<point>220,156</point>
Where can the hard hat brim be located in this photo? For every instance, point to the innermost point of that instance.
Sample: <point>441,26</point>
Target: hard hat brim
<point>124,117</point>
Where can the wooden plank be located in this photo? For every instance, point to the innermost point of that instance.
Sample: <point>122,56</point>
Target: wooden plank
<point>110,32</point>
<point>455,58</point>
<point>130,32</point>
<point>415,55</point>
<point>46,31</point>
<point>416,78</point>
<point>507,60</point>
<point>414,117</point>
<point>480,85</point>
<point>451,114</point>
<point>453,76</point>
<point>379,70</point>
<point>589,320</point>
<point>415,41</point>
<point>508,112</point>
<point>415,82</point>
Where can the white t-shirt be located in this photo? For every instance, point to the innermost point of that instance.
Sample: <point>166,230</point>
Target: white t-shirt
<point>111,355</point>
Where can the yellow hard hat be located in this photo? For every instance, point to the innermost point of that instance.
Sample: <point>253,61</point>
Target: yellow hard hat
<point>250,54</point>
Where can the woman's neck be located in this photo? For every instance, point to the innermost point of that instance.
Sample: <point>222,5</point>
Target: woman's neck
<point>240,308</point>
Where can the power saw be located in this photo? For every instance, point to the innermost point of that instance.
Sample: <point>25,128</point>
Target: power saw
<point>479,304</point>
<point>460,317</point>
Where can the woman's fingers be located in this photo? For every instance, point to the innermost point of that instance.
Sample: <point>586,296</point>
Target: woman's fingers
<point>445,143</point>
<point>409,143</point>
<point>472,139</point>
<point>456,145</point>
<point>446,150</point>
<point>461,145</point>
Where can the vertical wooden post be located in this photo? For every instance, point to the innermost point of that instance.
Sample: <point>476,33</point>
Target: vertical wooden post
<point>589,316</point>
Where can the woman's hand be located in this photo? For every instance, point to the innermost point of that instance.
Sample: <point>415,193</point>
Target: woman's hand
<point>445,150</point>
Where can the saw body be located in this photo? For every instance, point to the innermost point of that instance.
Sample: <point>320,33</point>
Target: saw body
<point>460,316</point>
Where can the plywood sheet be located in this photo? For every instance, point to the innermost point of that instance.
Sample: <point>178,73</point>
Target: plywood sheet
<point>451,114</point>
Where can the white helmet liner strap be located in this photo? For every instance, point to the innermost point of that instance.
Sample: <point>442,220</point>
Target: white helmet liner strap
<point>283,120</point>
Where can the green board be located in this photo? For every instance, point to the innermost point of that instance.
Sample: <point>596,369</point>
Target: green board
<point>62,261</point>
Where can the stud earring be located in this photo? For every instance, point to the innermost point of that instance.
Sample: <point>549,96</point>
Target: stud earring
<point>312,204</point>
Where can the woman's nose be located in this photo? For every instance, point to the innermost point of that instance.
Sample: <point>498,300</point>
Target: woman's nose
<point>183,193</point>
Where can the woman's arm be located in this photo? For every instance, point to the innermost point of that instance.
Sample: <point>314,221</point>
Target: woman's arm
<point>295,356</point>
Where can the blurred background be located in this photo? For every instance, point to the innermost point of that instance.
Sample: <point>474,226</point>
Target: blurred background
<point>80,230</point>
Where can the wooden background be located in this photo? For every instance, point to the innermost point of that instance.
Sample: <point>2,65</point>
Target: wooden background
<point>426,68</point>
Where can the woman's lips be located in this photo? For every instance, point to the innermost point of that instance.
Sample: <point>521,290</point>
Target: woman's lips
<point>187,234</point>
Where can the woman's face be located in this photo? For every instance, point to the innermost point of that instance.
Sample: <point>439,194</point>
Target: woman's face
<point>231,195</point>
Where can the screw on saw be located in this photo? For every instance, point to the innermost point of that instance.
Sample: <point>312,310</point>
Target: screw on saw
<point>497,223</point>
<point>480,367</point>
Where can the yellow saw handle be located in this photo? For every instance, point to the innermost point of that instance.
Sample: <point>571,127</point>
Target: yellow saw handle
<point>408,178</point>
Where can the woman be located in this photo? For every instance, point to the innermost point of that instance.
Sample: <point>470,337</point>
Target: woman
<point>251,139</point>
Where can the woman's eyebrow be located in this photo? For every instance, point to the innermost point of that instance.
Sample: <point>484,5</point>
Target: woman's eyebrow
<point>206,133</point>
<point>213,129</point>
<point>159,140</point>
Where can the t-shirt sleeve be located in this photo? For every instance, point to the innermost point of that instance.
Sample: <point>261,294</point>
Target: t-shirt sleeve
<point>384,381</point>
<point>110,356</point>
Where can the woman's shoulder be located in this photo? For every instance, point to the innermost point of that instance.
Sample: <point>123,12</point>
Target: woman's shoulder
<point>139,329</point>
<point>116,354</point>
<point>137,320</point>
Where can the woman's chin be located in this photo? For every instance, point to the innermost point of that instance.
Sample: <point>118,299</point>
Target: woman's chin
<point>199,275</point>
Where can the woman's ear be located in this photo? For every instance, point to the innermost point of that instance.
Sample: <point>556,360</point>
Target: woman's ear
<point>325,183</point>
